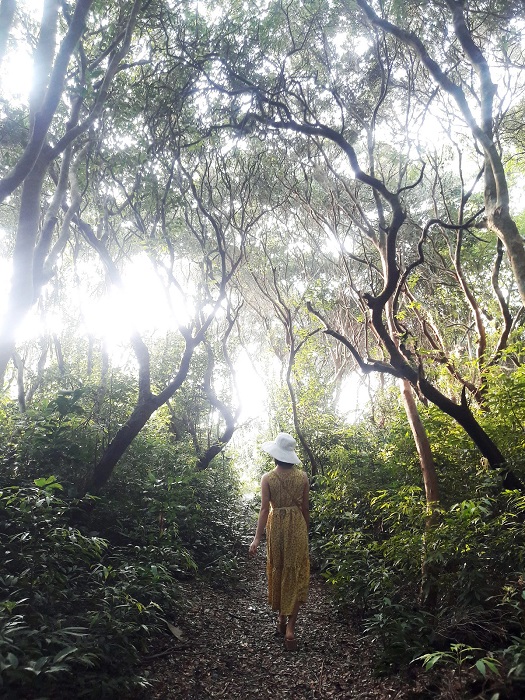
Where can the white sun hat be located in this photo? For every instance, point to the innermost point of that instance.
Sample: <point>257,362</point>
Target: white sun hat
<point>282,448</point>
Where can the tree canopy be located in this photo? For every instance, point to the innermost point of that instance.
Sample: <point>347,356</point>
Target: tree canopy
<point>324,192</point>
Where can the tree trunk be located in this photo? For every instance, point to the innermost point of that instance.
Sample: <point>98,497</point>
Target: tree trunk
<point>429,572</point>
<point>19,364</point>
<point>505,227</point>
<point>120,443</point>
<point>146,405</point>
<point>426,460</point>
<point>230,419</point>
<point>44,345</point>
<point>462,414</point>
<point>21,295</point>
<point>297,426</point>
<point>45,105</point>
<point>215,449</point>
<point>51,69</point>
<point>399,368</point>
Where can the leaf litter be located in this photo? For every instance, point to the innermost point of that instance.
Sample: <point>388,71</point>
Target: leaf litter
<point>227,647</point>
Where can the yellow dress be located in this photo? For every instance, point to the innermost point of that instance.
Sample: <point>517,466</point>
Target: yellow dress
<point>288,564</point>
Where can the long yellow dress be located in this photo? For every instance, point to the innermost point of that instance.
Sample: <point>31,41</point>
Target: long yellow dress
<point>288,564</point>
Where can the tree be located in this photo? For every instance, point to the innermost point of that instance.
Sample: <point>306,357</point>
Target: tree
<point>206,241</point>
<point>70,90</point>
<point>301,90</point>
<point>496,193</point>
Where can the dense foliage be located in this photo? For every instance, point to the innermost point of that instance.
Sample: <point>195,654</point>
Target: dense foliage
<point>88,586</point>
<point>325,192</point>
<point>371,537</point>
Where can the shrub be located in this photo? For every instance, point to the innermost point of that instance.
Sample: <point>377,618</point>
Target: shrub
<point>75,612</point>
<point>371,549</point>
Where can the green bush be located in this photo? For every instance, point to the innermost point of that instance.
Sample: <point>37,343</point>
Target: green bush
<point>371,550</point>
<point>74,612</point>
<point>57,437</point>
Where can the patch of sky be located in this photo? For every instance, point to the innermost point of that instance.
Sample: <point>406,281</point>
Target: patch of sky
<point>343,44</point>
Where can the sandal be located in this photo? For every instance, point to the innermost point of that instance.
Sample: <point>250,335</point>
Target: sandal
<point>290,644</point>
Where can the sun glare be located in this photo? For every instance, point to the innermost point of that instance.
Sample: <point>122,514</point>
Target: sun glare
<point>354,395</point>
<point>17,66</point>
<point>5,282</point>
<point>16,77</point>
<point>141,304</point>
<point>36,324</point>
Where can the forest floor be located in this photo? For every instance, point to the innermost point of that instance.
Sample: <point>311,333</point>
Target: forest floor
<point>226,648</point>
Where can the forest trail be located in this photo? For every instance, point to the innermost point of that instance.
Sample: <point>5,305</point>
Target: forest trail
<point>229,650</point>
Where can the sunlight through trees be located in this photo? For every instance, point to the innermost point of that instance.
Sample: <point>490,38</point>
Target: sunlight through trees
<point>223,220</point>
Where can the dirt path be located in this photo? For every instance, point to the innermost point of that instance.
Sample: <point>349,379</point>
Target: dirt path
<point>229,650</point>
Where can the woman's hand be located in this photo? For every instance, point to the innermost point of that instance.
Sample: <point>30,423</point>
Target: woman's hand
<point>253,547</point>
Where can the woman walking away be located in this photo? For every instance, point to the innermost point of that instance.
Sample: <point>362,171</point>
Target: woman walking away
<point>284,513</point>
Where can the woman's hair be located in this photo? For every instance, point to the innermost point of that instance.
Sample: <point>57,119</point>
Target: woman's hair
<point>285,465</point>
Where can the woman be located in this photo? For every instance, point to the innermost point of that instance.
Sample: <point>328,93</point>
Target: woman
<point>284,513</point>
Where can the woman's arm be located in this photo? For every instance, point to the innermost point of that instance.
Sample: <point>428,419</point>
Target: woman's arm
<point>305,507</point>
<point>263,515</point>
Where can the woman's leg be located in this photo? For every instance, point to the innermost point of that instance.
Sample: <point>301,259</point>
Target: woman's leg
<point>281,624</point>
<point>292,619</point>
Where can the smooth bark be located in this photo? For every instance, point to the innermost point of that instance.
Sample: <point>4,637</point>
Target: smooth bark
<point>422,443</point>
<point>21,295</point>
<point>429,571</point>
<point>144,409</point>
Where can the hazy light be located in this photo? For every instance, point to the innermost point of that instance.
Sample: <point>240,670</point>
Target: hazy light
<point>354,395</point>
<point>343,42</point>
<point>253,393</point>
<point>35,324</point>
<point>17,66</point>
<point>142,304</point>
<point>5,283</point>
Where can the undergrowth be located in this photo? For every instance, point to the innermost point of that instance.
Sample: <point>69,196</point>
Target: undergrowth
<point>370,548</point>
<point>86,585</point>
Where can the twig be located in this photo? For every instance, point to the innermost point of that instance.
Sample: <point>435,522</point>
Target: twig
<point>168,650</point>
<point>321,674</point>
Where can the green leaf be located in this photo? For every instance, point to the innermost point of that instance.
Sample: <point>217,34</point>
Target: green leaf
<point>492,664</point>
<point>480,665</point>
<point>13,660</point>
<point>429,660</point>
<point>432,662</point>
<point>48,484</point>
<point>62,654</point>
<point>37,666</point>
